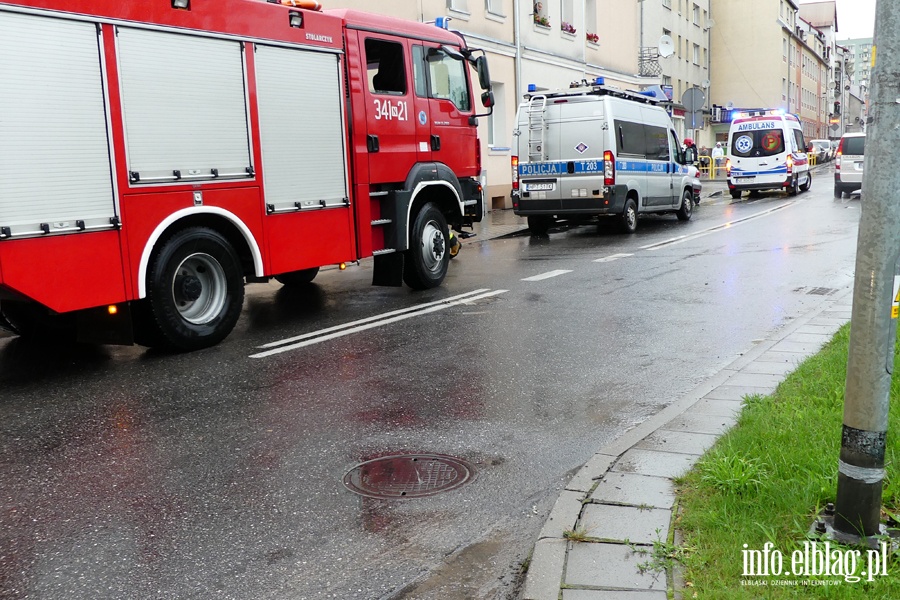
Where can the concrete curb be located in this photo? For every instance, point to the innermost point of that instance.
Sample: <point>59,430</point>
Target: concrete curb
<point>622,499</point>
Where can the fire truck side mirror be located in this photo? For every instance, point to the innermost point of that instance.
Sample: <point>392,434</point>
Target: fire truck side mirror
<point>487,99</point>
<point>484,76</point>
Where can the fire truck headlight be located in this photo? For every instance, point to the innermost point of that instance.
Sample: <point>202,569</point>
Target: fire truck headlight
<point>342,266</point>
<point>112,309</point>
<point>181,4</point>
<point>295,19</point>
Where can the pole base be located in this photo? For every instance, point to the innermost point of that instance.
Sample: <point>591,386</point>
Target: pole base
<point>823,527</point>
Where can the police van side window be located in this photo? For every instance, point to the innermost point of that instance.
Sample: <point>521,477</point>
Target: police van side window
<point>385,67</point>
<point>657,140</point>
<point>630,139</point>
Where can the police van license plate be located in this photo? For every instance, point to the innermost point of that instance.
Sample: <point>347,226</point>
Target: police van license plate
<point>538,187</point>
<point>743,179</point>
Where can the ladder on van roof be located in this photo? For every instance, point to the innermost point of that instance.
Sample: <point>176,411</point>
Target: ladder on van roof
<point>536,127</point>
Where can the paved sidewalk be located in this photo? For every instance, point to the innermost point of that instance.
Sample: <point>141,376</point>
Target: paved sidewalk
<point>623,497</point>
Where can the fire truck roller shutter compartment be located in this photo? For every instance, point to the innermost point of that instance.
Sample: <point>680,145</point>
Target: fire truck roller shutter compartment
<point>184,105</point>
<point>298,175</point>
<point>53,133</point>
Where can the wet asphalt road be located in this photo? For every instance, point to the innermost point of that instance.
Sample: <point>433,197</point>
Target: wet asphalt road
<point>126,473</point>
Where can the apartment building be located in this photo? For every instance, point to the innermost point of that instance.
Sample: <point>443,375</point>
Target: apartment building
<point>688,24</point>
<point>859,54</point>
<point>765,56</point>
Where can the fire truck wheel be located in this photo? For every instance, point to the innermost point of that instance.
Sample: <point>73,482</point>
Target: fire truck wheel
<point>429,252</point>
<point>628,221</point>
<point>195,289</point>
<point>297,277</point>
<point>686,209</point>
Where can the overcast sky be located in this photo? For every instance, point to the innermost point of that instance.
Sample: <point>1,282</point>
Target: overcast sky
<point>856,18</point>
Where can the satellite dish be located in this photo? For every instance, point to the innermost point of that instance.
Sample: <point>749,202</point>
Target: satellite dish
<point>666,46</point>
<point>730,105</point>
<point>710,23</point>
<point>705,84</point>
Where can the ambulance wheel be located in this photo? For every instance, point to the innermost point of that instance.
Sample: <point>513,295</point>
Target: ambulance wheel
<point>686,209</point>
<point>195,291</point>
<point>297,277</point>
<point>628,218</point>
<point>539,224</point>
<point>794,189</point>
<point>429,252</point>
<point>808,183</point>
<point>735,194</point>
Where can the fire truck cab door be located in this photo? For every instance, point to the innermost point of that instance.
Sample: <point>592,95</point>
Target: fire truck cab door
<point>390,104</point>
<point>452,139</point>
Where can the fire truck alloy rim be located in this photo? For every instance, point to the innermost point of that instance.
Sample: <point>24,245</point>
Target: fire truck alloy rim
<point>200,288</point>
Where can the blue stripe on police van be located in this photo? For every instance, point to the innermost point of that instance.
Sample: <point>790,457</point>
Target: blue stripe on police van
<point>581,167</point>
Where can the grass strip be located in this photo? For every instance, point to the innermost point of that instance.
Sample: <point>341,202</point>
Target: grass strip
<point>768,478</point>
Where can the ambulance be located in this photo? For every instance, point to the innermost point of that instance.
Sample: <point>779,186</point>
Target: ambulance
<point>766,151</point>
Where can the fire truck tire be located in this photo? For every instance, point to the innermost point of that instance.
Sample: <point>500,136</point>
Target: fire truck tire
<point>195,290</point>
<point>429,252</point>
<point>298,277</point>
<point>686,209</point>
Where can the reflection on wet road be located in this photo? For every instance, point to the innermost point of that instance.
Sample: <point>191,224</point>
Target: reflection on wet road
<point>134,474</point>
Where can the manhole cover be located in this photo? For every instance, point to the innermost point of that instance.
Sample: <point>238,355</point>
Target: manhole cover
<point>407,475</point>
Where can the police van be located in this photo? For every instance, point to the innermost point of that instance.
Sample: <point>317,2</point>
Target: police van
<point>593,150</point>
<point>766,151</point>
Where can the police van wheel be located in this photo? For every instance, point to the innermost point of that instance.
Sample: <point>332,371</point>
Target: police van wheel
<point>808,183</point>
<point>539,224</point>
<point>686,209</point>
<point>195,290</point>
<point>735,194</point>
<point>628,219</point>
<point>429,250</point>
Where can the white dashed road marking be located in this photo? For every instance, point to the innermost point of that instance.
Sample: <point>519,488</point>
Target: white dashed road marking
<point>547,275</point>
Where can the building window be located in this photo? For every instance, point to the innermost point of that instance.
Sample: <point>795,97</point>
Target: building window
<point>696,54</point>
<point>667,4</point>
<point>590,18</point>
<point>679,47</point>
<point>567,14</point>
<point>497,119</point>
<point>459,5</point>
<point>495,7</point>
<point>696,15</point>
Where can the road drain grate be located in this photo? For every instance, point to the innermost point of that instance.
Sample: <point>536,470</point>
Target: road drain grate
<point>407,476</point>
<point>821,291</point>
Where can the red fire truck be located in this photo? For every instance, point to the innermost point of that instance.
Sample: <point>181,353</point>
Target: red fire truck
<point>155,155</point>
